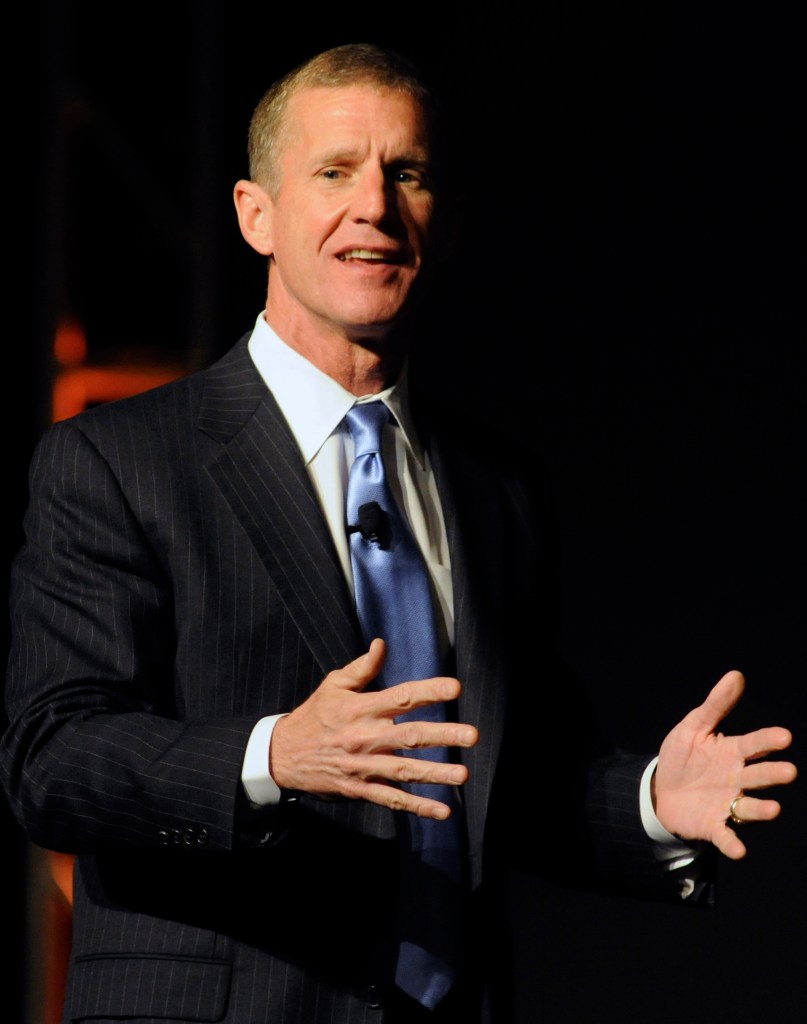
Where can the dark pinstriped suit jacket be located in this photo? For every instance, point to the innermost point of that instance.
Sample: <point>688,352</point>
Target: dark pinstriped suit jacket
<point>178,581</point>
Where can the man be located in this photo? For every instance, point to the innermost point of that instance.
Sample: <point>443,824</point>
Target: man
<point>194,690</point>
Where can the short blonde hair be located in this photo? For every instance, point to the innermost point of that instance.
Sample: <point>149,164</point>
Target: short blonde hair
<point>351,64</point>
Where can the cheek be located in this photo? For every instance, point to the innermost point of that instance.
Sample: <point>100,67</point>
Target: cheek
<point>310,234</point>
<point>293,247</point>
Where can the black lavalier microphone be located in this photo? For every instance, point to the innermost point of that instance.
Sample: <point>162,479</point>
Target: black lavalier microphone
<point>373,524</point>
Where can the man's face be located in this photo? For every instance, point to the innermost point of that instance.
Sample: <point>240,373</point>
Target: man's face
<point>352,215</point>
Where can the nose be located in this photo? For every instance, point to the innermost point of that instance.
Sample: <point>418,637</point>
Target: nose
<point>374,198</point>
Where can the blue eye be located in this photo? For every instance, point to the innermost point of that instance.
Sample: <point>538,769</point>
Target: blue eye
<point>417,177</point>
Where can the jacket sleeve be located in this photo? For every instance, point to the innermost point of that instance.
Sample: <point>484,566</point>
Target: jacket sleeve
<point>95,750</point>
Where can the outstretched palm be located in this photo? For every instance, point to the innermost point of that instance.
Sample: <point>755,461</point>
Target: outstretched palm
<point>700,772</point>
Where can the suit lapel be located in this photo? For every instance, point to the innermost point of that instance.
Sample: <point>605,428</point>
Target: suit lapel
<point>260,474</point>
<point>473,526</point>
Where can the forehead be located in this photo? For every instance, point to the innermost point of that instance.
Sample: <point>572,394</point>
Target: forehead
<point>319,117</point>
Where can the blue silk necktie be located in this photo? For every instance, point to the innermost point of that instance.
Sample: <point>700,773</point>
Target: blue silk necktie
<point>394,601</point>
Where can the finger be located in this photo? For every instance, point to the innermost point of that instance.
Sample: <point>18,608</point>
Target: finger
<point>418,693</point>
<point>420,735</point>
<point>763,742</point>
<point>403,700</point>
<point>399,800</point>
<point>762,774</point>
<point>722,699</point>
<point>750,809</point>
<point>361,671</point>
<point>729,843</point>
<point>406,770</point>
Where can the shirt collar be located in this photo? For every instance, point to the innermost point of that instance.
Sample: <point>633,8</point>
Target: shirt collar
<point>313,403</point>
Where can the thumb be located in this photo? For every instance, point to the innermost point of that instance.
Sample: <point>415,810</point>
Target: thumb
<point>722,699</point>
<point>362,671</point>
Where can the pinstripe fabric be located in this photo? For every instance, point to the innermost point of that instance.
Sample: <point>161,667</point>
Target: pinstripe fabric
<point>178,581</point>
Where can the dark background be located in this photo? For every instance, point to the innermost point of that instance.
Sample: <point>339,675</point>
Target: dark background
<point>627,289</point>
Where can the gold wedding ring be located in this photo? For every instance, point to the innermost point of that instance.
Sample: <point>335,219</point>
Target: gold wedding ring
<point>733,810</point>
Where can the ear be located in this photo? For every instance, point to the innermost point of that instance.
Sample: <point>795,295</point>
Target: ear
<point>254,209</point>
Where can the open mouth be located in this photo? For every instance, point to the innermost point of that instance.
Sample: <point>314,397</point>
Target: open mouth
<point>371,255</point>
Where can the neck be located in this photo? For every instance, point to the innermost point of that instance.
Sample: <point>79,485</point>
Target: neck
<point>364,365</point>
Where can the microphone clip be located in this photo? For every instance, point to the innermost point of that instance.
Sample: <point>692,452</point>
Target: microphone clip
<point>374,524</point>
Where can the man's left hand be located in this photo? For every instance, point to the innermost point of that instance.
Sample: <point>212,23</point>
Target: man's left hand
<point>702,778</point>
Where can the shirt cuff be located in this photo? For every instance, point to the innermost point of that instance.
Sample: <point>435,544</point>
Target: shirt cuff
<point>260,787</point>
<point>668,848</point>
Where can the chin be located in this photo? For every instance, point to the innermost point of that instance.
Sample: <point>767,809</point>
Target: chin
<point>382,318</point>
<point>377,325</point>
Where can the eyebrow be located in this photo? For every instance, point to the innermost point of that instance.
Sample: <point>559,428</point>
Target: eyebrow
<point>335,156</point>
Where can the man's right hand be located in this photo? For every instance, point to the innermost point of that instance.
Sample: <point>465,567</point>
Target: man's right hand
<point>344,742</point>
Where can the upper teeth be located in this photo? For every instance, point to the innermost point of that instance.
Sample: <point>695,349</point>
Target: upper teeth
<point>362,254</point>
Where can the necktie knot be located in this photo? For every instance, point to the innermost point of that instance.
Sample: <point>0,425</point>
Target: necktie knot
<point>366,422</point>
